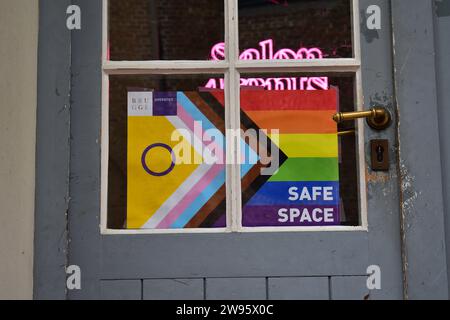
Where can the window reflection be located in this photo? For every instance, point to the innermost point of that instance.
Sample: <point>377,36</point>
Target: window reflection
<point>294,29</point>
<point>163,29</point>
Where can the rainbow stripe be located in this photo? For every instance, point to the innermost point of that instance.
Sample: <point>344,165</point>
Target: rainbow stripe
<point>308,137</point>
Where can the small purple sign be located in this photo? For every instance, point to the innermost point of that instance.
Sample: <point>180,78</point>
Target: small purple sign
<point>290,215</point>
<point>164,103</point>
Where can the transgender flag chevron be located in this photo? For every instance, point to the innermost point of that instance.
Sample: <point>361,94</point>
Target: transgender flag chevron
<point>305,189</point>
<point>164,192</point>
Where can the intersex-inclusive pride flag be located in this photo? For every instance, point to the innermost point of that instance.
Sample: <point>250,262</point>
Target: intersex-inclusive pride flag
<point>305,190</point>
<point>162,192</point>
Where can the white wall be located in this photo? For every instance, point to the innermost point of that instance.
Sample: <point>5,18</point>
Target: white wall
<point>18,65</point>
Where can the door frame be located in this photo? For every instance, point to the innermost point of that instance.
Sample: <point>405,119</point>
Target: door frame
<point>68,177</point>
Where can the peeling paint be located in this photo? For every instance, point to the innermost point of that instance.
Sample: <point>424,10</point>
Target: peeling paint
<point>409,193</point>
<point>382,99</point>
<point>374,177</point>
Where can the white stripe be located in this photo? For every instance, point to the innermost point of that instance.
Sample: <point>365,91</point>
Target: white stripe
<point>176,197</point>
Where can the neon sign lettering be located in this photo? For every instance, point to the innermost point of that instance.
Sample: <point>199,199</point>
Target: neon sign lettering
<point>266,52</point>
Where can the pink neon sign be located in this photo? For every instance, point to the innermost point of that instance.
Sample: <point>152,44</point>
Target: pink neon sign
<point>266,51</point>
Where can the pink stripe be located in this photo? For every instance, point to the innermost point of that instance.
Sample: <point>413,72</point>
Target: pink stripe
<point>189,121</point>
<point>204,181</point>
<point>185,117</point>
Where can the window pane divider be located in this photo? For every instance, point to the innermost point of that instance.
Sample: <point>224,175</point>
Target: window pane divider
<point>317,65</point>
<point>232,103</point>
<point>201,67</point>
<point>165,67</point>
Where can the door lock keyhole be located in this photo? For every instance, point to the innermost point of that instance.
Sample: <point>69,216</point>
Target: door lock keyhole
<point>380,154</point>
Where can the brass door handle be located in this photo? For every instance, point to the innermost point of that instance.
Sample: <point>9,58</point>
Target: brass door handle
<point>378,118</point>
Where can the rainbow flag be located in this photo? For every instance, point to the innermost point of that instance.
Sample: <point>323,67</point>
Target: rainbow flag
<point>305,189</point>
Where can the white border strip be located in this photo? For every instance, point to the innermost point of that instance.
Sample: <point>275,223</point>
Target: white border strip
<point>244,229</point>
<point>104,143</point>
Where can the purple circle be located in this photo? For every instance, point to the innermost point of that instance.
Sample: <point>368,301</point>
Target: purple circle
<point>144,155</point>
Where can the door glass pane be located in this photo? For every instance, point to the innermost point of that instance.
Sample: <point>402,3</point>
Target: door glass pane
<point>295,29</point>
<point>166,153</point>
<point>164,30</point>
<point>297,170</point>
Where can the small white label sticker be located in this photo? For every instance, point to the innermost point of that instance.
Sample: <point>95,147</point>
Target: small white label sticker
<point>140,103</point>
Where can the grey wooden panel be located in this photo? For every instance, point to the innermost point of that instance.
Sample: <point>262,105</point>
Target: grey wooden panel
<point>121,290</point>
<point>84,209</point>
<point>174,289</point>
<point>442,23</point>
<point>305,288</point>
<point>384,243</point>
<point>52,151</point>
<point>235,255</point>
<point>236,289</point>
<point>421,175</point>
<point>349,288</point>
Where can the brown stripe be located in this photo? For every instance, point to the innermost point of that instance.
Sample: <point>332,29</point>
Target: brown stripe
<point>253,173</point>
<point>209,113</point>
<point>215,215</point>
<point>213,103</point>
<point>205,211</point>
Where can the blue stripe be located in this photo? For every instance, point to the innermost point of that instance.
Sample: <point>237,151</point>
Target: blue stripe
<point>277,193</point>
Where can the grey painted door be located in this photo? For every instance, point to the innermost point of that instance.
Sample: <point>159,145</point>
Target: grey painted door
<point>237,265</point>
<point>270,265</point>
